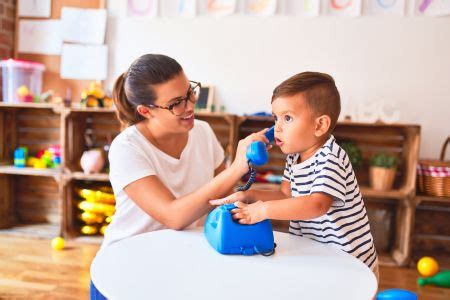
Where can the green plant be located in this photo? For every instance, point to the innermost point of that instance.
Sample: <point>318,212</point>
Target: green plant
<point>384,160</point>
<point>354,154</point>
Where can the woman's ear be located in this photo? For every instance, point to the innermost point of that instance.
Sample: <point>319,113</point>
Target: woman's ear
<point>144,111</point>
<point>322,125</point>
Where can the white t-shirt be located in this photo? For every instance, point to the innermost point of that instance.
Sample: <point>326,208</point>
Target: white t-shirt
<point>133,157</point>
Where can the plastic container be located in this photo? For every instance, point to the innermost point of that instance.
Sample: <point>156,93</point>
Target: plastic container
<point>22,80</point>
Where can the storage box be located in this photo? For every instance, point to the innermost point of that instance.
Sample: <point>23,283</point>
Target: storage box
<point>22,80</point>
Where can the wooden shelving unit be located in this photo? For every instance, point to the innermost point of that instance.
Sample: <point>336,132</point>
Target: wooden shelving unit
<point>44,125</point>
<point>397,204</point>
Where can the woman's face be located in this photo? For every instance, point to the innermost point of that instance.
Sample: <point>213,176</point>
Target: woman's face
<point>169,94</point>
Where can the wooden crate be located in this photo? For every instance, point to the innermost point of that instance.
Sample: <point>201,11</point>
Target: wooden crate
<point>431,229</point>
<point>247,125</point>
<point>72,225</point>
<point>104,127</point>
<point>223,126</point>
<point>29,197</point>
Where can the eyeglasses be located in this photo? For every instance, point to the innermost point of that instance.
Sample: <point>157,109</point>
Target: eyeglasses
<point>178,107</point>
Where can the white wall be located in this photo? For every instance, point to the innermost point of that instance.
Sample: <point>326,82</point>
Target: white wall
<point>401,61</point>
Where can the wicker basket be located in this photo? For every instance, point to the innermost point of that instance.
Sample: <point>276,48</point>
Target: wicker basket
<point>434,175</point>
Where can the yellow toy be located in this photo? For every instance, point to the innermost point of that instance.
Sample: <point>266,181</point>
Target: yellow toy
<point>427,266</point>
<point>95,96</point>
<point>97,196</point>
<point>89,230</point>
<point>93,207</point>
<point>57,243</point>
<point>91,218</point>
<point>102,229</point>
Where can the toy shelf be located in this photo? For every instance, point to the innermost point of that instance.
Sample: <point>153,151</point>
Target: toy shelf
<point>38,126</point>
<point>12,170</point>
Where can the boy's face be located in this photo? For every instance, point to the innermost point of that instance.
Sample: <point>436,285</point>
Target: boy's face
<point>295,125</point>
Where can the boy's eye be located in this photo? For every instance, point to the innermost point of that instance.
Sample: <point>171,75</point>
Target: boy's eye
<point>275,118</point>
<point>287,118</point>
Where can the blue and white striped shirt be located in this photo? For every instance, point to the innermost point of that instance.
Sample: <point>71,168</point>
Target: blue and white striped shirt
<point>345,225</point>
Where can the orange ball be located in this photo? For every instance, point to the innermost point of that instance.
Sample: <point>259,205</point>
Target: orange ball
<point>427,266</point>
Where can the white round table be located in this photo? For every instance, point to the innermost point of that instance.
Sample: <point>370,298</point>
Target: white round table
<point>171,264</point>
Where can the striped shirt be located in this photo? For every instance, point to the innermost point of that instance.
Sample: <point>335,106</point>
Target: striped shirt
<point>345,225</point>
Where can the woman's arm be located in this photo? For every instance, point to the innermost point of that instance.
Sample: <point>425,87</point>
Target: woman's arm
<point>153,197</point>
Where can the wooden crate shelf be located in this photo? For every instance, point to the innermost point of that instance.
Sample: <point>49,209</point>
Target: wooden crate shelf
<point>42,125</point>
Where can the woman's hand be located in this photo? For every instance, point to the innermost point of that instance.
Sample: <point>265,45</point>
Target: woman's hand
<point>240,163</point>
<point>244,197</point>
<point>249,213</point>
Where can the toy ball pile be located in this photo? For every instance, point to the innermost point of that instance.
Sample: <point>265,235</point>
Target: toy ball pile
<point>24,95</point>
<point>95,96</point>
<point>97,208</point>
<point>46,158</point>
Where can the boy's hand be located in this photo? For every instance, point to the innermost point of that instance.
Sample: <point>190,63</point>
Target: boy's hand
<point>240,162</point>
<point>249,213</point>
<point>238,196</point>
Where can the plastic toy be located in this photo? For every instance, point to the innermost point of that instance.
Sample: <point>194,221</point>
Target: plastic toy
<point>427,266</point>
<point>97,196</point>
<point>20,157</point>
<point>101,208</point>
<point>227,236</point>
<point>57,243</point>
<point>89,230</point>
<point>95,96</point>
<point>24,94</point>
<point>396,294</point>
<point>92,161</point>
<point>441,279</point>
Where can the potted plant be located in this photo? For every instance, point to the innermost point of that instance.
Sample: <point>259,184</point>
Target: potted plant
<point>382,171</point>
<point>354,154</point>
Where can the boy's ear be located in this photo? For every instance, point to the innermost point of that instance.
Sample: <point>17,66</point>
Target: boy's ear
<point>144,111</point>
<point>322,125</point>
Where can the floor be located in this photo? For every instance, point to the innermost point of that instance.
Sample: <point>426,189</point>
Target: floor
<point>30,269</point>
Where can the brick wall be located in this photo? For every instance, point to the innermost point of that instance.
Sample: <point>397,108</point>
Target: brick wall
<point>7,19</point>
<point>7,26</point>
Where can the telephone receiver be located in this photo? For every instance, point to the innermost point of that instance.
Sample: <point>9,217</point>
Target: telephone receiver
<point>257,153</point>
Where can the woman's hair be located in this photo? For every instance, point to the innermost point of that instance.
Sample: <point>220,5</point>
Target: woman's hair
<point>134,87</point>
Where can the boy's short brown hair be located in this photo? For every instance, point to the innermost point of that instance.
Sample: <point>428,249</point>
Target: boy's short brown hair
<point>320,92</point>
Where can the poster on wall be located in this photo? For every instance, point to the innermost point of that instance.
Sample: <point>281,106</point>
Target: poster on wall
<point>347,8</point>
<point>40,37</point>
<point>179,8</point>
<point>84,62</point>
<point>34,8</point>
<point>386,7</point>
<point>306,8</point>
<point>142,8</point>
<point>220,8</point>
<point>433,8</point>
<point>84,26</point>
<point>261,7</point>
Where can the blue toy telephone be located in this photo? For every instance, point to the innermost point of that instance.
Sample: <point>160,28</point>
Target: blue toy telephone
<point>227,236</point>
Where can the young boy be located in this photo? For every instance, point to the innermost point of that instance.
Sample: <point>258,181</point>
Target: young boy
<point>319,192</point>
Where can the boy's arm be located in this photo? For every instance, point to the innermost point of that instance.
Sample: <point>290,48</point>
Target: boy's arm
<point>298,208</point>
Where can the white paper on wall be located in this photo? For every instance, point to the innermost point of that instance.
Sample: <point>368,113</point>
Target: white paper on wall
<point>433,8</point>
<point>142,8</point>
<point>84,62</point>
<point>179,8</point>
<point>84,26</point>
<point>261,7</point>
<point>307,8</point>
<point>34,8</point>
<point>348,8</point>
<point>386,7</point>
<point>221,7</point>
<point>40,37</point>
